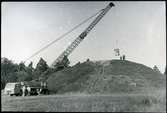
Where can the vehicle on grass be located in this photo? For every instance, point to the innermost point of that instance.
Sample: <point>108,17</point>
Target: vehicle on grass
<point>45,91</point>
<point>32,88</point>
<point>13,89</point>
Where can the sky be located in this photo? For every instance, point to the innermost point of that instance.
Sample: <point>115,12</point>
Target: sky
<point>139,28</point>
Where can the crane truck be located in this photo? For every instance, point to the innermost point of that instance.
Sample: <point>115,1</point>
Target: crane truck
<point>61,62</point>
<point>62,59</point>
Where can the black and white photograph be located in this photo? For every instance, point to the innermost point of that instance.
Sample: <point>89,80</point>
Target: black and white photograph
<point>83,56</point>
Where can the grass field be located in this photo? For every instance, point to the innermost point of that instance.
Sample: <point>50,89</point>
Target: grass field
<point>153,101</point>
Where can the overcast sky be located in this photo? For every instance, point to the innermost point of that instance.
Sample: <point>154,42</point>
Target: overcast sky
<point>139,28</point>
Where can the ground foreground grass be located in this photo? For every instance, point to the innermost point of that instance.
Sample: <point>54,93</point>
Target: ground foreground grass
<point>147,102</point>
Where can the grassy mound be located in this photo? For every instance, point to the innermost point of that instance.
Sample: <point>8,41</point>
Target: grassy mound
<point>105,77</point>
<point>70,79</point>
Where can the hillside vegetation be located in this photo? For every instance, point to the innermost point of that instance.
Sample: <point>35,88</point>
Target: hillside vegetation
<point>105,77</point>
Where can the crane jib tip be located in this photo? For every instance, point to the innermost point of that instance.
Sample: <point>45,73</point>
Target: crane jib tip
<point>111,4</point>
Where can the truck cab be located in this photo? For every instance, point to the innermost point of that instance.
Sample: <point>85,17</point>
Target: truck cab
<point>13,89</point>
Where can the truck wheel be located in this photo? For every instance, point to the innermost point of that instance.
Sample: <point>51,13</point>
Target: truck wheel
<point>20,94</point>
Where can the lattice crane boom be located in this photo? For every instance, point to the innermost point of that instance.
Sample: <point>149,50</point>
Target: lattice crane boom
<point>79,39</point>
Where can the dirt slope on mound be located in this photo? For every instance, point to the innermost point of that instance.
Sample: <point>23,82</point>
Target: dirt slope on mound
<point>105,77</point>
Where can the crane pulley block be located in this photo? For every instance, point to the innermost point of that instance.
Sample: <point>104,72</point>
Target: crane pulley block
<point>83,35</point>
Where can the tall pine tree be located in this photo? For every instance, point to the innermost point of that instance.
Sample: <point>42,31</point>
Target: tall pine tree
<point>40,68</point>
<point>155,68</point>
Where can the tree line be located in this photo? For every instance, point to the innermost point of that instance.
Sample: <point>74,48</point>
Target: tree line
<point>13,72</point>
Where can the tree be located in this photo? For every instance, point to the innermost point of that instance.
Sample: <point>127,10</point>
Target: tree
<point>77,63</point>
<point>22,66</point>
<point>41,67</point>
<point>30,68</point>
<point>44,76</point>
<point>88,60</point>
<point>23,76</point>
<point>155,68</point>
<point>24,73</point>
<point>30,71</point>
<point>8,71</point>
<point>30,65</point>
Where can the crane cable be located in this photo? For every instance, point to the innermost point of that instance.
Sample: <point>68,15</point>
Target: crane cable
<point>62,36</point>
